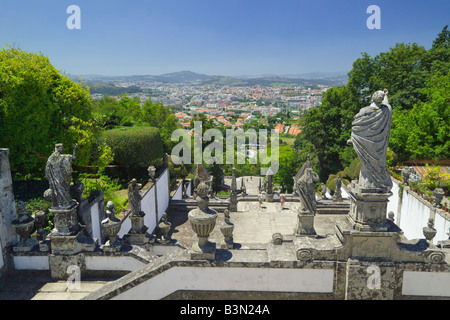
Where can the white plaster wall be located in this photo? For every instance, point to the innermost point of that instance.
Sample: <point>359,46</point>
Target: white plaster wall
<point>126,226</point>
<point>415,215</point>
<point>188,191</point>
<point>162,186</point>
<point>235,279</point>
<point>393,201</point>
<point>95,222</point>
<point>435,284</point>
<point>179,193</point>
<point>31,263</point>
<point>113,263</point>
<point>441,225</point>
<point>148,206</point>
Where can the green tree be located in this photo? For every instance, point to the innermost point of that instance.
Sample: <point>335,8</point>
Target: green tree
<point>39,107</point>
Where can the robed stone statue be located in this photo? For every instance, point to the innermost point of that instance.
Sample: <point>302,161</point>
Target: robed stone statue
<point>59,174</point>
<point>305,189</point>
<point>134,198</point>
<point>370,137</point>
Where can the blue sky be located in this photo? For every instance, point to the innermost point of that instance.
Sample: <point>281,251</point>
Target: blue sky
<point>232,37</point>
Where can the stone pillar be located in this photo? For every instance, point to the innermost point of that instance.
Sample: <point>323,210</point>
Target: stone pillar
<point>7,206</point>
<point>305,224</point>
<point>233,195</point>
<point>269,191</point>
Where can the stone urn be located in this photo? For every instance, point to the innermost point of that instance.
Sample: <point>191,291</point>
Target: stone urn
<point>429,231</point>
<point>227,230</point>
<point>438,196</point>
<point>111,225</point>
<point>24,227</point>
<point>164,226</point>
<point>203,221</point>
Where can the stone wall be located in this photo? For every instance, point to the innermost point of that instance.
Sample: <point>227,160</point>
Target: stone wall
<point>92,212</point>
<point>412,213</point>
<point>252,273</point>
<point>155,201</point>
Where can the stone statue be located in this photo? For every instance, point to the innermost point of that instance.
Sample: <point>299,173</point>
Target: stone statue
<point>324,191</point>
<point>152,173</point>
<point>305,189</point>
<point>370,137</point>
<point>134,198</point>
<point>338,192</point>
<point>301,172</point>
<point>59,174</point>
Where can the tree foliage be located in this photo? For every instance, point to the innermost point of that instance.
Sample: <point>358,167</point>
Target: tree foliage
<point>40,107</point>
<point>418,83</point>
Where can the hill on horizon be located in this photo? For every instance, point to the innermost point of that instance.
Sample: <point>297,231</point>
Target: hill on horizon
<point>189,77</point>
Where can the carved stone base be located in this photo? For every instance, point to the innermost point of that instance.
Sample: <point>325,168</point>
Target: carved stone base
<point>65,220</point>
<point>305,224</point>
<point>203,251</point>
<point>368,209</point>
<point>70,245</point>
<point>233,202</point>
<point>25,246</point>
<point>137,239</point>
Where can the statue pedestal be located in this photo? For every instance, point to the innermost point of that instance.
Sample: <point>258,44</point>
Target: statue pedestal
<point>368,209</point>
<point>233,201</point>
<point>305,224</point>
<point>136,236</point>
<point>65,220</point>
<point>70,245</point>
<point>67,237</point>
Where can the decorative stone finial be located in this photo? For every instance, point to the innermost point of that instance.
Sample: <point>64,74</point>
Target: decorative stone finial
<point>438,194</point>
<point>429,232</point>
<point>111,226</point>
<point>164,226</point>
<point>152,173</point>
<point>227,231</point>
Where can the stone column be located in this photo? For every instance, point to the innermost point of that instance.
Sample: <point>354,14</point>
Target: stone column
<point>233,195</point>
<point>7,207</point>
<point>269,191</point>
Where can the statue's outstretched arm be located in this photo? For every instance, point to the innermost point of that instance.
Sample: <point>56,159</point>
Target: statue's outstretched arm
<point>75,148</point>
<point>386,100</point>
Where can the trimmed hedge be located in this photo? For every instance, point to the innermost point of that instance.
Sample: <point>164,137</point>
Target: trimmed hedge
<point>135,147</point>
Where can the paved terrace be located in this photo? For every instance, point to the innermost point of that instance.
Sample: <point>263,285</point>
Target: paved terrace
<point>252,224</point>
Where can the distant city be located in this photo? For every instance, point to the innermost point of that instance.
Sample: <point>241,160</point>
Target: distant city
<point>227,101</point>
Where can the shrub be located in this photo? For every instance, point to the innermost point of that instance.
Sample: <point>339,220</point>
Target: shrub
<point>135,147</point>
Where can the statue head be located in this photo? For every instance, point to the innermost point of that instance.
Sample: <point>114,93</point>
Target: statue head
<point>134,185</point>
<point>378,97</point>
<point>110,206</point>
<point>59,148</point>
